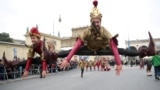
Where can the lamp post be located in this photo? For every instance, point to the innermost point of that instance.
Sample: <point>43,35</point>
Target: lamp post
<point>59,20</point>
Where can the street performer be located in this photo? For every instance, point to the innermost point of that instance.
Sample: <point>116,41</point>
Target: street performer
<point>36,47</point>
<point>95,37</point>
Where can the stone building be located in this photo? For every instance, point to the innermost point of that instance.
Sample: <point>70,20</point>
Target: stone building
<point>69,41</point>
<point>13,49</point>
<point>143,42</point>
<point>17,48</point>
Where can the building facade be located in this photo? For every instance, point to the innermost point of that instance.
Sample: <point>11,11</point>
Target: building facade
<point>19,49</point>
<point>13,49</point>
<point>144,42</point>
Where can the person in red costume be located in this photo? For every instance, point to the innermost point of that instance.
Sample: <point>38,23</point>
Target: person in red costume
<point>36,47</point>
<point>95,37</point>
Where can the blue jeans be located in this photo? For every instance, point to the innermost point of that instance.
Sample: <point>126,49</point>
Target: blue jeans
<point>157,71</point>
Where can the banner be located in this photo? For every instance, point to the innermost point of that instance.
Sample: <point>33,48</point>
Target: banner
<point>83,57</point>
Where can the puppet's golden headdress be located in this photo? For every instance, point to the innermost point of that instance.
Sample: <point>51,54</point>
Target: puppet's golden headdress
<point>95,13</point>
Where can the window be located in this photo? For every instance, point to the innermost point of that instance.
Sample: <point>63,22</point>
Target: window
<point>77,35</point>
<point>54,42</point>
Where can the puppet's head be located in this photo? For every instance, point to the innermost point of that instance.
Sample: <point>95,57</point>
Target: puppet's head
<point>95,13</point>
<point>34,35</point>
<point>34,32</point>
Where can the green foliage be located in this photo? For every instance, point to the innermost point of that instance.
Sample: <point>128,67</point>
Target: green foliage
<point>5,37</point>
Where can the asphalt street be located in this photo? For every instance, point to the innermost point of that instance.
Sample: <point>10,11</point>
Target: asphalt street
<point>130,79</point>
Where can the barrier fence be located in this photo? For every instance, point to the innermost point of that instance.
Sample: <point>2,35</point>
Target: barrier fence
<point>17,72</point>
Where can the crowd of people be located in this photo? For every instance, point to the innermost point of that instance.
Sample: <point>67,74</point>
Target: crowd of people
<point>101,64</point>
<point>35,69</point>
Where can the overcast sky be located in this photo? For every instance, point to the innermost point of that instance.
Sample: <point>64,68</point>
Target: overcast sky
<point>129,18</point>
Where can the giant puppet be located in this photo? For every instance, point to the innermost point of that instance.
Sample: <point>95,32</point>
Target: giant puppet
<point>38,46</point>
<point>96,40</point>
<point>95,37</point>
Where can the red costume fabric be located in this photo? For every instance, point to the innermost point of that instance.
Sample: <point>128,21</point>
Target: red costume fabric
<point>74,50</point>
<point>115,51</point>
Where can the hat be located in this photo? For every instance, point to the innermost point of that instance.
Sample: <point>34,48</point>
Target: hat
<point>95,13</point>
<point>34,32</point>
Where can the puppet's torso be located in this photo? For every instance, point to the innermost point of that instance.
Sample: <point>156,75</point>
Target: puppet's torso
<point>94,43</point>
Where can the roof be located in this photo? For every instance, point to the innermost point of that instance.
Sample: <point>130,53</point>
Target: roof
<point>45,35</point>
<point>18,41</point>
<point>10,43</point>
<point>80,28</point>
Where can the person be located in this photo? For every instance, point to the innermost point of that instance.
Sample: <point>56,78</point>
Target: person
<point>94,38</point>
<point>102,64</point>
<point>149,67</point>
<point>156,63</point>
<point>87,65</point>
<point>131,63</point>
<point>2,71</point>
<point>141,63</point>
<point>82,65</point>
<point>94,65</point>
<point>107,64</point>
<point>98,63</point>
<point>90,64</point>
<point>35,48</point>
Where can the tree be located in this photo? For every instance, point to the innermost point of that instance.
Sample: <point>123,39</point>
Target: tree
<point>5,37</point>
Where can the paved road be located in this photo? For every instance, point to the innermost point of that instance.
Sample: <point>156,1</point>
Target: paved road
<point>130,79</point>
